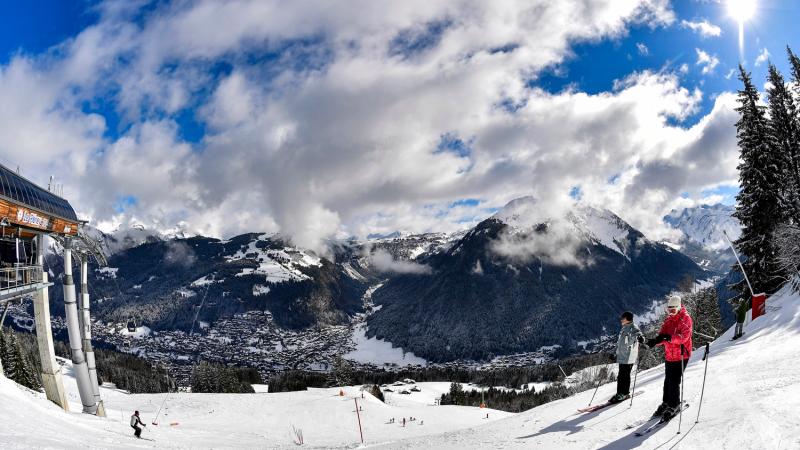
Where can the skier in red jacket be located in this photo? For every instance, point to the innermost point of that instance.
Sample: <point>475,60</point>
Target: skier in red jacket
<point>676,337</point>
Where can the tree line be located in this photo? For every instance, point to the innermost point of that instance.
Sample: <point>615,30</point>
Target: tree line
<point>768,203</point>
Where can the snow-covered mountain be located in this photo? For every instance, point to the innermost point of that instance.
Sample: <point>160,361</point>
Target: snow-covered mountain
<point>124,238</point>
<point>509,284</point>
<point>705,224</point>
<point>601,227</point>
<point>702,230</point>
<point>749,401</point>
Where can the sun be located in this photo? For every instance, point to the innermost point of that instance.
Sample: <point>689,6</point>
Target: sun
<point>741,10</point>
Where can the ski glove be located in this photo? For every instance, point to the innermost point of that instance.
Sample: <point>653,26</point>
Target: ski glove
<point>651,343</point>
<point>640,339</point>
<point>663,337</point>
<point>612,357</point>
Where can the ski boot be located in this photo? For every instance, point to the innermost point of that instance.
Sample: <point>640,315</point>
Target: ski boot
<point>660,411</point>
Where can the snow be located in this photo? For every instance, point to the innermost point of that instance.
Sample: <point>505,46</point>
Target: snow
<point>374,350</point>
<point>261,420</point>
<point>671,245</point>
<point>600,226</point>
<point>110,272</point>
<point>750,402</point>
<point>260,289</point>
<point>351,272</point>
<point>705,225</point>
<point>204,281</point>
<point>377,351</point>
<point>603,226</point>
<point>279,265</point>
<point>185,293</point>
<point>139,333</point>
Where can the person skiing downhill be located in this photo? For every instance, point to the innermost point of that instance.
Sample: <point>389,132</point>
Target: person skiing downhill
<point>135,422</point>
<point>676,337</point>
<point>627,352</point>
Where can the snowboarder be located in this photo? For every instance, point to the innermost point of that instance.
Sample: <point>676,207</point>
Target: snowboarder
<point>676,337</point>
<point>135,422</point>
<point>627,352</point>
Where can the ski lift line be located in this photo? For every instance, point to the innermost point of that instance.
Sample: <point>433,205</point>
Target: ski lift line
<point>202,302</point>
<point>752,293</point>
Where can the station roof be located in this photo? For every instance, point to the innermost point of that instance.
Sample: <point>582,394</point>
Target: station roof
<point>20,190</point>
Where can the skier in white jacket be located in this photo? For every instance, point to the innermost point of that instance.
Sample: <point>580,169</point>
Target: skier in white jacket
<point>627,352</point>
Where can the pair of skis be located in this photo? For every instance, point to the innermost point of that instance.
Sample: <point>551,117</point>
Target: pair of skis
<point>600,406</point>
<point>660,424</point>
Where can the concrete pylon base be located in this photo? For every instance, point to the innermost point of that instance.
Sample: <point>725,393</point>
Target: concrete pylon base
<point>54,389</point>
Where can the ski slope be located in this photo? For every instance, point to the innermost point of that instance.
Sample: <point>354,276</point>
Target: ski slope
<point>752,399</point>
<point>230,420</point>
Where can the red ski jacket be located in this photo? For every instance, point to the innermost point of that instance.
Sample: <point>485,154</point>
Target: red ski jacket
<point>679,327</point>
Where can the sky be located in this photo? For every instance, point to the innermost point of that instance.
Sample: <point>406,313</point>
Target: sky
<point>323,119</point>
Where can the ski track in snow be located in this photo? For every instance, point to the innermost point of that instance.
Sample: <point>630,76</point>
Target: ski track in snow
<point>751,402</point>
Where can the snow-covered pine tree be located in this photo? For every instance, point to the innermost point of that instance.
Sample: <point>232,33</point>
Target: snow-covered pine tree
<point>23,368</point>
<point>707,316</point>
<point>341,374</point>
<point>3,356</point>
<point>787,241</point>
<point>759,202</point>
<point>784,133</point>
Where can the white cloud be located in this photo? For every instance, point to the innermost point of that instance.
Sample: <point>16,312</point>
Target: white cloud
<point>319,121</point>
<point>704,27</point>
<point>763,56</point>
<point>384,262</point>
<point>643,50</point>
<point>707,61</point>
<point>730,74</point>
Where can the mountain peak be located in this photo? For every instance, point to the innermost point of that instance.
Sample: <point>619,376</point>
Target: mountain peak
<point>704,224</point>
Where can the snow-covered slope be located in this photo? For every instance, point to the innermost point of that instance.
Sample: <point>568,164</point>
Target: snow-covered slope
<point>751,402</point>
<point>230,420</point>
<point>704,225</point>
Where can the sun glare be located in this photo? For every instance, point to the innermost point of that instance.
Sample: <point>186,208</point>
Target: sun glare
<point>741,10</point>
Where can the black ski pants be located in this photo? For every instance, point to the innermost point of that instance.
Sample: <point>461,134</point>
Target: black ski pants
<point>138,432</point>
<point>624,379</point>
<point>672,382</point>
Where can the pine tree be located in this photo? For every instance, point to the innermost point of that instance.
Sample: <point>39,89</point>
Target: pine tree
<point>758,201</point>
<point>341,373</point>
<point>23,368</point>
<point>9,356</point>
<point>3,354</point>
<point>784,137</point>
<point>707,316</point>
<point>795,112</point>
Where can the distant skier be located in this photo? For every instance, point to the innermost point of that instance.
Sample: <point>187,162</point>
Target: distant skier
<point>135,422</point>
<point>627,352</point>
<point>741,316</point>
<point>676,337</point>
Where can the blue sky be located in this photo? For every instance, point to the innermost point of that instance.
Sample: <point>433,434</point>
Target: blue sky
<point>371,118</point>
<point>596,65</point>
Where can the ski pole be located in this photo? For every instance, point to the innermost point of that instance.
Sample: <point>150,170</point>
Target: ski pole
<point>599,379</point>
<point>683,368</point>
<point>702,391</point>
<point>635,374</point>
